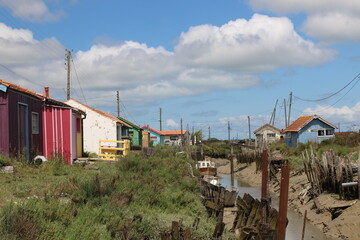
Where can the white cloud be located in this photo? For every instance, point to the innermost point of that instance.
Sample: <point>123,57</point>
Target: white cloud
<point>260,44</point>
<point>172,124</point>
<point>207,58</point>
<point>333,27</point>
<point>31,10</point>
<point>308,6</point>
<point>328,20</point>
<point>334,114</point>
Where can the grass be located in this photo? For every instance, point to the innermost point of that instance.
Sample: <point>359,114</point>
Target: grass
<point>134,198</point>
<point>343,145</point>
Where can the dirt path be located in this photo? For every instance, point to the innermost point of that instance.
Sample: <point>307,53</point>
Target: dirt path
<point>344,226</point>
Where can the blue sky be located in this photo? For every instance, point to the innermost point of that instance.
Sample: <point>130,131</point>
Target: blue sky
<point>207,62</point>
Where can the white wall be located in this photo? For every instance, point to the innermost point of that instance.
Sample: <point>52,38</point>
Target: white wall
<point>96,127</point>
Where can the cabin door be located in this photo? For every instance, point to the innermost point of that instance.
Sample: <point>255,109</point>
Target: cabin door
<point>23,132</point>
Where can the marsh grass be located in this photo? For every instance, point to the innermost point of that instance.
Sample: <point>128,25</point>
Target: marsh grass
<point>134,198</point>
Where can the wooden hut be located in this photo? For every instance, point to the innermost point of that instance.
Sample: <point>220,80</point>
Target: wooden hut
<point>62,129</point>
<point>20,122</point>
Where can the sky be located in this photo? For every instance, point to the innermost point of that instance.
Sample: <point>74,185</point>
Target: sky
<point>207,62</point>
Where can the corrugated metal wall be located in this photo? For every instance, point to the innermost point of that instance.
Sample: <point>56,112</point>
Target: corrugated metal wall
<point>59,133</point>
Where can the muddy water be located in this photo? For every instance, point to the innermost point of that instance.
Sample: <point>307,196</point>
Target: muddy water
<point>294,228</point>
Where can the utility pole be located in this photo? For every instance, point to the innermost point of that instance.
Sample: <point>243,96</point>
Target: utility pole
<point>286,122</point>
<point>118,103</point>
<point>182,138</point>
<point>68,56</point>
<point>272,119</point>
<point>290,108</point>
<point>160,120</point>
<point>209,132</point>
<point>229,131</point>
<point>249,130</point>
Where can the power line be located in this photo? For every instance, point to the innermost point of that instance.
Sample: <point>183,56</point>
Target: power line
<point>331,95</point>
<point>77,78</point>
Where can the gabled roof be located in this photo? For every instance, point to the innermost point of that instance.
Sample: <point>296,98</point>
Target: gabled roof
<point>267,125</point>
<point>102,113</point>
<point>152,129</point>
<point>133,125</point>
<point>20,89</point>
<point>302,121</point>
<point>177,132</point>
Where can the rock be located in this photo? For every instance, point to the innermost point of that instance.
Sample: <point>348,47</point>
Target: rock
<point>7,169</point>
<point>91,167</point>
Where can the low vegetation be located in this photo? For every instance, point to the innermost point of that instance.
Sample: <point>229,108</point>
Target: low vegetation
<point>343,145</point>
<point>134,198</point>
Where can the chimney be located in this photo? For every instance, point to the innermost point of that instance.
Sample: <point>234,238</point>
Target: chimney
<point>46,92</point>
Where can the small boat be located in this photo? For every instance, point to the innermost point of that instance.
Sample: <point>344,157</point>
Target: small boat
<point>214,180</point>
<point>206,168</point>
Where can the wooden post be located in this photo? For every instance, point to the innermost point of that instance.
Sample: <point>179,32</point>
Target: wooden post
<point>264,177</point>
<point>284,191</point>
<point>68,85</point>
<point>175,230</point>
<point>232,167</point>
<point>202,151</point>
<point>358,175</point>
<point>303,231</point>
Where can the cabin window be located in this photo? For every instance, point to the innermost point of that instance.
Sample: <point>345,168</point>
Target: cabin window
<point>35,123</point>
<point>271,135</point>
<point>321,133</point>
<point>329,132</point>
<point>173,138</point>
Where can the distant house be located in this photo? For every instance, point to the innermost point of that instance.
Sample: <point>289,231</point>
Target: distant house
<point>267,134</point>
<point>156,137</point>
<point>135,133</point>
<point>62,129</point>
<point>20,122</point>
<point>175,137</point>
<point>99,125</point>
<point>308,128</point>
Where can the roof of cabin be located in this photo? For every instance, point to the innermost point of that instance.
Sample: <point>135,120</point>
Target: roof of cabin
<point>177,132</point>
<point>152,129</point>
<point>20,89</point>
<point>267,125</point>
<point>133,125</point>
<point>302,121</point>
<point>102,113</point>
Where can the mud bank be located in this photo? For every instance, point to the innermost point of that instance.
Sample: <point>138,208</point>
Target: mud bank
<point>319,210</point>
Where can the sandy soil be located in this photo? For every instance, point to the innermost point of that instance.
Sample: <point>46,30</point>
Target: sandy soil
<point>345,226</point>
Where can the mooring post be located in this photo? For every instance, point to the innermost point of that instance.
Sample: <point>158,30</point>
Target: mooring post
<point>284,191</point>
<point>303,231</point>
<point>358,173</point>
<point>264,176</point>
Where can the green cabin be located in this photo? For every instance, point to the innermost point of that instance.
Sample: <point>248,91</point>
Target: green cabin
<point>135,133</point>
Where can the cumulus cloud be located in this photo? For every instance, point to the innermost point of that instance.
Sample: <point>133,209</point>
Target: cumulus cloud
<point>333,27</point>
<point>260,44</point>
<point>328,20</point>
<point>172,124</point>
<point>207,58</point>
<point>31,10</point>
<point>334,114</point>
